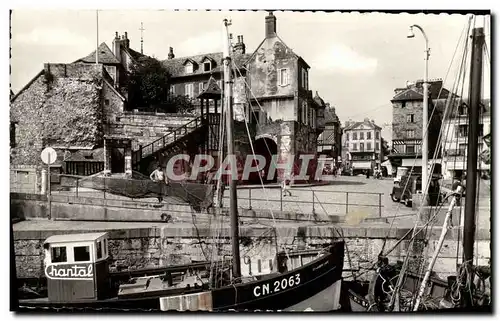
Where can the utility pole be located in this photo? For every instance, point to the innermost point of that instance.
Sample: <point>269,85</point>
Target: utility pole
<point>472,151</point>
<point>97,38</point>
<point>142,39</point>
<point>425,118</point>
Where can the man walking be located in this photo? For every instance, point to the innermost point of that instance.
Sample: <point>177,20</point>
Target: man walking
<point>284,186</point>
<point>159,177</point>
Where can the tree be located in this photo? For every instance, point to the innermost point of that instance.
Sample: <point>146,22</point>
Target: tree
<point>147,83</point>
<point>148,88</point>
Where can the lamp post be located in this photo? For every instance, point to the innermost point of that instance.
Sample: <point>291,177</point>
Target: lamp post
<point>425,142</point>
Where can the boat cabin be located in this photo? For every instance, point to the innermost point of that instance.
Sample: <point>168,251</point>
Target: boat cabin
<point>76,267</point>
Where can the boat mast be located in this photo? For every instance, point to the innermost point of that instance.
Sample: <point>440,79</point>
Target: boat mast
<point>233,206</point>
<point>472,151</point>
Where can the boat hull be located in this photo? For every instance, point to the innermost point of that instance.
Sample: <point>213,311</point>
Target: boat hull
<point>315,286</point>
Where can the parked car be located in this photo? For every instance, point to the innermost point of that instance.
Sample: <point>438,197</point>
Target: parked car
<point>403,190</point>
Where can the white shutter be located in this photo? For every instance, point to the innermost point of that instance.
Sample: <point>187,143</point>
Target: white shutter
<point>287,77</point>
<point>280,81</point>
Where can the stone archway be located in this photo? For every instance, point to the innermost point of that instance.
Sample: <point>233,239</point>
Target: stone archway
<point>266,147</point>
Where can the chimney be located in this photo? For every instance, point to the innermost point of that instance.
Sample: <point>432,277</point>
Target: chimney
<point>171,53</point>
<point>270,25</point>
<point>239,47</point>
<point>127,41</point>
<point>116,47</point>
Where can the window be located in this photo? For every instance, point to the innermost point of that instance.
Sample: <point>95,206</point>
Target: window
<point>463,130</point>
<point>58,254</point>
<point>410,149</point>
<point>304,113</point>
<point>188,68</point>
<point>361,147</point>
<point>347,136</point>
<point>106,102</point>
<point>98,250</point>
<point>403,104</point>
<point>368,146</point>
<point>201,87</point>
<point>313,118</point>
<point>82,253</point>
<point>377,135</point>
<point>377,146</point>
<point>361,136</point>
<point>410,118</point>
<point>410,133</point>
<point>480,130</point>
<point>354,136</point>
<point>172,89</point>
<point>462,110</point>
<point>188,90</point>
<point>462,148</point>
<point>368,135</point>
<point>207,66</point>
<point>304,79</point>
<point>354,146</point>
<point>13,134</point>
<point>283,77</point>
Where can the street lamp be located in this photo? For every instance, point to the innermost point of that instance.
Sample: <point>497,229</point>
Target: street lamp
<point>425,145</point>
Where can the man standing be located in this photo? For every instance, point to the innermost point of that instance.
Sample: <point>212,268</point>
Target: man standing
<point>159,177</point>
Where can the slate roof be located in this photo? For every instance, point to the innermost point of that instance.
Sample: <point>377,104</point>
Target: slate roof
<point>96,155</point>
<point>176,66</point>
<point>319,100</point>
<point>212,91</point>
<point>359,123</point>
<point>330,116</point>
<point>437,91</point>
<point>327,137</point>
<point>134,54</point>
<point>106,56</point>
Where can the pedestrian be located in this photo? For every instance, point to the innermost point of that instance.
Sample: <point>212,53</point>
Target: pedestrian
<point>284,187</point>
<point>158,176</point>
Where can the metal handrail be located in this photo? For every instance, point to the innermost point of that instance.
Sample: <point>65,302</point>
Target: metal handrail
<point>164,140</point>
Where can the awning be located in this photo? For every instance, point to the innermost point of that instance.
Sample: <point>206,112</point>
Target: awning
<point>361,165</point>
<point>409,162</point>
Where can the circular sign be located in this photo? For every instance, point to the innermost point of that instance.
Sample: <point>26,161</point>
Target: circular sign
<point>48,155</point>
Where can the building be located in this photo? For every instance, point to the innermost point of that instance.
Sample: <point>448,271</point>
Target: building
<point>363,143</point>
<point>281,101</point>
<point>271,92</point>
<point>330,140</point>
<point>81,109</point>
<point>455,137</point>
<point>407,122</point>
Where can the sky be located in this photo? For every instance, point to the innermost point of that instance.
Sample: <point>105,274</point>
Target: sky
<point>357,60</point>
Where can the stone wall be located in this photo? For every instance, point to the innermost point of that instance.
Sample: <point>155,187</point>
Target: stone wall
<point>399,123</point>
<point>144,127</point>
<point>54,110</point>
<point>162,246</point>
<point>269,58</point>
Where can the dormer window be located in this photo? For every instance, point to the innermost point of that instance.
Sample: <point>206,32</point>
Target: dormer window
<point>207,66</point>
<point>188,68</point>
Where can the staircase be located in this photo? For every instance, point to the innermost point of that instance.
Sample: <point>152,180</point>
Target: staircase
<point>175,141</point>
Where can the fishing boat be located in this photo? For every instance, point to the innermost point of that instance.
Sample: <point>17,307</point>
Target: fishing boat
<point>394,287</point>
<point>78,277</point>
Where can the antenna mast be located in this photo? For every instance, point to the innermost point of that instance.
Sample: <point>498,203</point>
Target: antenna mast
<point>142,39</point>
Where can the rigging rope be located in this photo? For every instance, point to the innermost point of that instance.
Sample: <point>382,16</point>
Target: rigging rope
<point>418,218</point>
